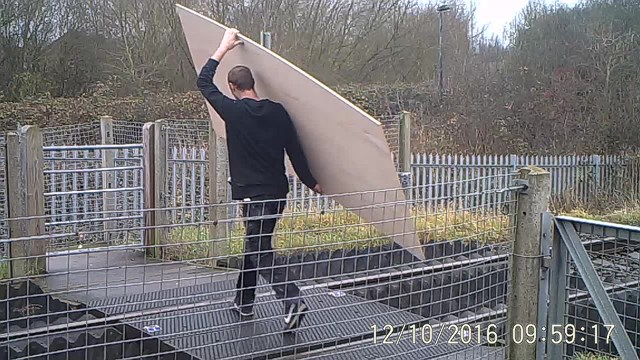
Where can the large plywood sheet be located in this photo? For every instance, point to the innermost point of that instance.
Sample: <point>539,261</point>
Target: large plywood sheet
<point>346,148</point>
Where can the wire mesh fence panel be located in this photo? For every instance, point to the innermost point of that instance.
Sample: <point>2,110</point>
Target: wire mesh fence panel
<point>76,194</point>
<point>77,134</point>
<point>71,178</point>
<point>614,253</point>
<point>127,132</point>
<point>128,193</point>
<point>188,183</point>
<point>351,274</point>
<point>349,271</point>
<point>188,132</point>
<point>4,209</point>
<point>575,179</point>
<point>391,128</point>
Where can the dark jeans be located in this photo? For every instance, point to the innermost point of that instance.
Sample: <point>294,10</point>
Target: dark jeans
<point>259,254</point>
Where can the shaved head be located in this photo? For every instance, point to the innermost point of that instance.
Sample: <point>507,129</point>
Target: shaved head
<point>240,76</point>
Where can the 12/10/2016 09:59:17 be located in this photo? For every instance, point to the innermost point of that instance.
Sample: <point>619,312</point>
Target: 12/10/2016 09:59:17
<point>467,333</point>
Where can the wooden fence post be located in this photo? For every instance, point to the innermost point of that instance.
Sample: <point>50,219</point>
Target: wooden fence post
<point>149,186</point>
<point>161,235</point>
<point>108,177</point>
<point>25,195</point>
<point>404,153</point>
<point>532,203</point>
<point>217,231</point>
<point>404,142</point>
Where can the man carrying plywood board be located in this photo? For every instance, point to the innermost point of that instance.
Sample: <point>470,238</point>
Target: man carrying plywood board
<point>346,148</point>
<point>258,132</point>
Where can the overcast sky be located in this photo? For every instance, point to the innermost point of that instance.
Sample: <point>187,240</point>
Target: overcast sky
<point>496,14</point>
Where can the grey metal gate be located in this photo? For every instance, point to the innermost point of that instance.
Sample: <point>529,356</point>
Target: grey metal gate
<point>91,192</point>
<point>594,290</point>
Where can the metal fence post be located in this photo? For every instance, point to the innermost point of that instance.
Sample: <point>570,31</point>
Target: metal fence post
<point>160,187</point>
<point>25,191</point>
<point>557,293</point>
<point>546,243</point>
<point>149,186</point>
<point>108,177</point>
<point>513,159</point>
<point>596,174</point>
<point>265,39</point>
<point>532,204</point>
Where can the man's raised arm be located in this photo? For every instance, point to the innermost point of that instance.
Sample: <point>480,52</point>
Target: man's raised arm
<point>220,103</point>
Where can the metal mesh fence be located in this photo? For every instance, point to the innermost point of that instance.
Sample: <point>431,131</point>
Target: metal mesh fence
<point>114,302</point>
<point>127,132</point>
<point>4,209</point>
<point>435,175</point>
<point>128,196</point>
<point>615,256</point>
<point>70,191</point>
<point>187,163</point>
<point>391,128</point>
<point>75,194</point>
<point>188,132</point>
<point>78,134</point>
<point>188,184</point>
<point>380,300</point>
<point>187,169</point>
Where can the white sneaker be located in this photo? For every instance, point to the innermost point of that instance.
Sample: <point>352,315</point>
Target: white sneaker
<point>244,311</point>
<point>295,315</point>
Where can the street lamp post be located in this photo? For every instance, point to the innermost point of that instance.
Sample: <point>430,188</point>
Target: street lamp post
<point>441,9</point>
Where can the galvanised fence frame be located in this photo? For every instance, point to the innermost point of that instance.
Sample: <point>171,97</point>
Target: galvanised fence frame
<point>592,289</point>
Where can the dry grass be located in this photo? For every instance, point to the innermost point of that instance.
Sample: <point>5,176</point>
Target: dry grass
<point>625,216</point>
<point>593,356</point>
<point>4,269</point>
<point>340,229</point>
<point>598,204</point>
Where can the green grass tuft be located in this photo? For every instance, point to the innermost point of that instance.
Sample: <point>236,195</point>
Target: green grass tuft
<point>4,269</point>
<point>342,229</point>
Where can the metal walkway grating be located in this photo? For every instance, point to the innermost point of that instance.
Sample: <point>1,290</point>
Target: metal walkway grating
<point>407,350</point>
<point>214,291</point>
<point>214,331</point>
